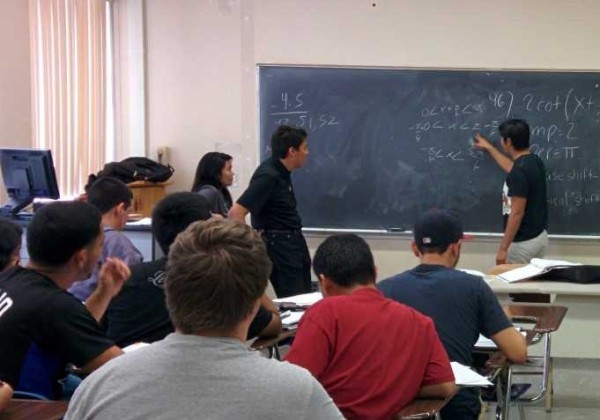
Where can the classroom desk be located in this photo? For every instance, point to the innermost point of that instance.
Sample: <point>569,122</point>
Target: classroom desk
<point>34,409</point>
<point>422,409</point>
<point>271,344</point>
<point>546,321</point>
<point>579,334</point>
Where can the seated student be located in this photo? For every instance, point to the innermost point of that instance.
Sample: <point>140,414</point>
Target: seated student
<point>10,244</point>
<point>5,395</point>
<point>38,315</point>
<point>461,305</point>
<point>214,174</point>
<point>113,198</point>
<point>217,273</point>
<point>139,312</point>
<point>371,354</point>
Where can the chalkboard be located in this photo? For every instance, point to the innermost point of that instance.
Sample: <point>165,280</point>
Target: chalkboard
<point>385,144</point>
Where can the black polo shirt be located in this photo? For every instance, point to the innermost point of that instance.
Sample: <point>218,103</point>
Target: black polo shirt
<point>270,198</point>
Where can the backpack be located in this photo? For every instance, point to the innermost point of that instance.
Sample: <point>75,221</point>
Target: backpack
<point>136,169</point>
<point>583,274</point>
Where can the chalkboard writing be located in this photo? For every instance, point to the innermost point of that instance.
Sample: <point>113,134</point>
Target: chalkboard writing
<point>385,144</point>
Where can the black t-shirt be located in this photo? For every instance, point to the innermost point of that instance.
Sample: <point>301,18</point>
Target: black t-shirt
<point>33,309</point>
<point>462,306</point>
<point>139,312</point>
<point>270,198</point>
<point>527,179</point>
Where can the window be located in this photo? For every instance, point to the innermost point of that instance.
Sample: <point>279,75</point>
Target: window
<point>73,86</point>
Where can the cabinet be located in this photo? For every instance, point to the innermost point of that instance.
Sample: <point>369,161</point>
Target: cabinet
<point>146,195</point>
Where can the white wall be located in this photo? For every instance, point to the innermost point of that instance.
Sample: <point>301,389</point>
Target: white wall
<point>202,57</point>
<point>15,83</point>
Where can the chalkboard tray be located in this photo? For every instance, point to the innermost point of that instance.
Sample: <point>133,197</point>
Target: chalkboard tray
<point>385,144</point>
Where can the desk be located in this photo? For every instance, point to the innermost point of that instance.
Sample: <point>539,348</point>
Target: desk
<point>579,335</point>
<point>33,409</point>
<point>547,319</point>
<point>422,409</point>
<point>272,343</point>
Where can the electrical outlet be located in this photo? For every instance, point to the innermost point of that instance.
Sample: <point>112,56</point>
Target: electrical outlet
<point>162,155</point>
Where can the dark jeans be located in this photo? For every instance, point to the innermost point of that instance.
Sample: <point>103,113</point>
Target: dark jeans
<point>291,262</point>
<point>464,406</point>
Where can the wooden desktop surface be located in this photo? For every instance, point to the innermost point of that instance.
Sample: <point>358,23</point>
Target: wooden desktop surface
<point>34,409</point>
<point>264,343</point>
<point>423,408</point>
<point>547,317</point>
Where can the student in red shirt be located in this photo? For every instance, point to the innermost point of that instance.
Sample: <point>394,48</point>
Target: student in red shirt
<point>372,355</point>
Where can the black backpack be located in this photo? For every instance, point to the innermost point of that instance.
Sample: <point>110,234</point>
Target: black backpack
<point>135,169</point>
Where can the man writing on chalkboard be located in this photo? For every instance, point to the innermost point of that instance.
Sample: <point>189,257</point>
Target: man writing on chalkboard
<point>524,197</point>
<point>271,201</point>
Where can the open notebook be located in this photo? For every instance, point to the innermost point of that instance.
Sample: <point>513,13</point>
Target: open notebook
<point>536,267</point>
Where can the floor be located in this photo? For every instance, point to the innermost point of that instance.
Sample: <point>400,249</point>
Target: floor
<point>576,393</point>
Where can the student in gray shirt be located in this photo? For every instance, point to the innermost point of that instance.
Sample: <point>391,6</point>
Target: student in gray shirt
<point>217,272</point>
<point>214,174</point>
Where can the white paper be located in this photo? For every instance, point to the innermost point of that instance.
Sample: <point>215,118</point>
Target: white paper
<point>146,221</point>
<point>472,272</point>
<point>484,343</point>
<point>543,263</point>
<point>292,319</point>
<point>536,267</point>
<point>487,343</point>
<point>306,299</point>
<point>464,376</point>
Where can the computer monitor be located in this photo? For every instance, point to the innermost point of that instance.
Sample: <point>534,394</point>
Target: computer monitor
<point>27,174</point>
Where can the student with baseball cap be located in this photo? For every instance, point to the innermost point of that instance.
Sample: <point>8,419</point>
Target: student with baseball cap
<point>461,305</point>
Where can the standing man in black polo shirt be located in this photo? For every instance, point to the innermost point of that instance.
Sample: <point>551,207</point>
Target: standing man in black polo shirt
<point>524,196</point>
<point>271,201</point>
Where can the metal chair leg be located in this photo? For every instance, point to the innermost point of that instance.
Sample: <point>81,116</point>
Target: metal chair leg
<point>521,411</point>
<point>550,391</point>
<point>507,395</point>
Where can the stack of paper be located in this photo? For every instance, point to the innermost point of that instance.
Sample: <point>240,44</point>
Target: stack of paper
<point>484,343</point>
<point>536,267</point>
<point>146,221</point>
<point>290,319</point>
<point>464,376</point>
<point>472,272</point>
<point>304,300</point>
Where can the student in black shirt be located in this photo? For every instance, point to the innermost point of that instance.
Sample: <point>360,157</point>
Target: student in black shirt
<point>524,195</point>
<point>271,201</point>
<point>37,314</point>
<point>139,313</point>
<point>10,244</point>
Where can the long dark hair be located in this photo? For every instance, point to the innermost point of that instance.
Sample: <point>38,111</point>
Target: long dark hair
<point>208,172</point>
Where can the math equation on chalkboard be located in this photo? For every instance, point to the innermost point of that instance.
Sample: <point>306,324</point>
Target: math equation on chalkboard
<point>387,143</point>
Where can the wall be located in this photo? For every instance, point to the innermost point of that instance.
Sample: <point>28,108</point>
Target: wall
<point>15,83</point>
<point>202,57</point>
